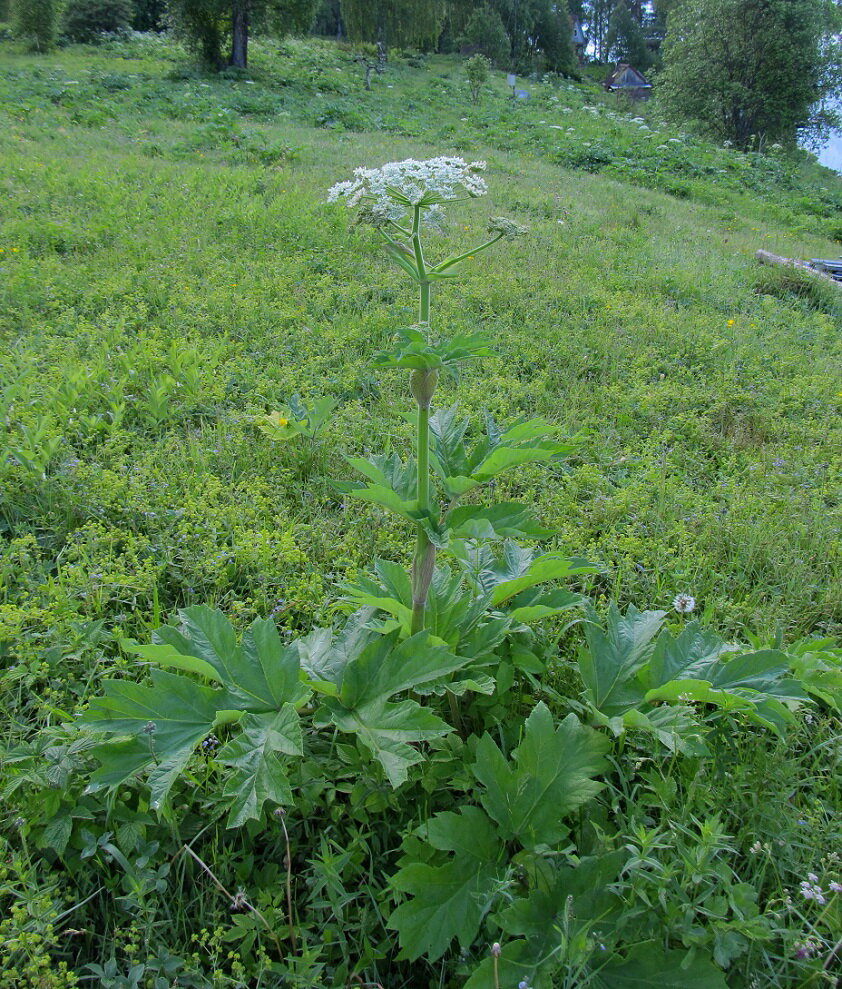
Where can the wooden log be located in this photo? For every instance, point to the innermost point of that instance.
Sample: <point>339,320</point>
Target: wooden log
<point>766,257</point>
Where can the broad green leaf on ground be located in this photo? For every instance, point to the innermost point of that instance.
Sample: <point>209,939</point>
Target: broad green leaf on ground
<point>550,775</point>
<point>692,653</point>
<point>649,965</point>
<point>158,725</point>
<point>253,755</point>
<point>535,605</point>
<point>385,667</point>
<point>447,899</point>
<point>613,656</point>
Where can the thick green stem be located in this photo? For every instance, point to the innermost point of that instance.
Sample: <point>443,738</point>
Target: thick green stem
<point>423,384</point>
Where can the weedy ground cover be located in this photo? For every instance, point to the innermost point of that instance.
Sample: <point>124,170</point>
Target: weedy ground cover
<point>171,275</point>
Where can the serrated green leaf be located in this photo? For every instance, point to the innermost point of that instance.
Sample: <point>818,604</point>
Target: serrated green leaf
<point>377,494</point>
<point>505,519</point>
<point>551,775</point>
<point>649,965</point>
<point>614,656</point>
<point>387,667</point>
<point>447,900</point>
<point>387,731</point>
<point>167,655</point>
<point>532,606</point>
<point>259,775</point>
<point>692,653</point>
<point>260,673</point>
<point>165,722</point>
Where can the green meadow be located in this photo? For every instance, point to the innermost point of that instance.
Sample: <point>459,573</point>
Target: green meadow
<point>170,272</point>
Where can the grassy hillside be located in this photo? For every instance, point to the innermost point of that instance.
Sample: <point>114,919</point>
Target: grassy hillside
<point>169,269</point>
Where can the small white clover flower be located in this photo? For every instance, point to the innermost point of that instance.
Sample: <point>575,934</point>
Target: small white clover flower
<point>400,185</point>
<point>684,603</point>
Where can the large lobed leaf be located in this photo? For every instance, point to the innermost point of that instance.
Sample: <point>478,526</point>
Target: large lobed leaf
<point>448,898</point>
<point>551,774</point>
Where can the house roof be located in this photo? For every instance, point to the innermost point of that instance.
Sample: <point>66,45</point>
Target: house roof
<point>626,76</point>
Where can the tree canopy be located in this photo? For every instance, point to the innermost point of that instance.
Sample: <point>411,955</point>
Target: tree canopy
<point>750,71</point>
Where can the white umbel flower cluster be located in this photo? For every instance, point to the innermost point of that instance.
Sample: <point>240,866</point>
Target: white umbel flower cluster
<point>399,185</point>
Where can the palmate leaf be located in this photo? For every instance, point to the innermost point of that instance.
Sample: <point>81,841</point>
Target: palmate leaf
<point>260,672</point>
<point>388,731</point>
<point>612,658</point>
<point>462,468</point>
<point>550,776</point>
<point>159,726</point>
<point>383,668</point>
<point>450,896</point>
<point>259,775</point>
<point>515,570</point>
<point>415,352</point>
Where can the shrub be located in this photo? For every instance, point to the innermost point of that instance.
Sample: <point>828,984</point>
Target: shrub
<point>476,69</point>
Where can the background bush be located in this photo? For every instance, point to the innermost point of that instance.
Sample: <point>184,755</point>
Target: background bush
<point>85,21</point>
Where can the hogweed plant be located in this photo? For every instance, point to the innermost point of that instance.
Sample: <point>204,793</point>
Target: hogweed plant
<point>431,681</point>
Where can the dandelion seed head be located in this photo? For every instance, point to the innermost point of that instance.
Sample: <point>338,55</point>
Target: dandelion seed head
<point>684,603</point>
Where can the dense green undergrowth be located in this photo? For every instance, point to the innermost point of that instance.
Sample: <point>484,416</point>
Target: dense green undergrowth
<point>170,270</point>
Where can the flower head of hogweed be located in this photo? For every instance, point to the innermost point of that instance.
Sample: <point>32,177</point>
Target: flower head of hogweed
<point>401,185</point>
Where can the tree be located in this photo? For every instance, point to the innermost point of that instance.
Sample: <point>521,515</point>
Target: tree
<point>750,71</point>
<point>486,31</point>
<point>207,24</point>
<point>35,22</point>
<point>625,41</point>
<point>395,23</point>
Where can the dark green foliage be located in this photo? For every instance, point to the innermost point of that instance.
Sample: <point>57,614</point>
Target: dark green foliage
<point>394,23</point>
<point>85,21</point>
<point>749,72</point>
<point>149,15</point>
<point>486,31</point>
<point>36,23</point>
<point>625,41</point>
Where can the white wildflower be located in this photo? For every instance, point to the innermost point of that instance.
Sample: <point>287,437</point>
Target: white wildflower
<point>684,603</point>
<point>400,185</point>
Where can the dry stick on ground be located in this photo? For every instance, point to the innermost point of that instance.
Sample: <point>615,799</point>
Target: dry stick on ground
<point>280,814</point>
<point>237,900</point>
